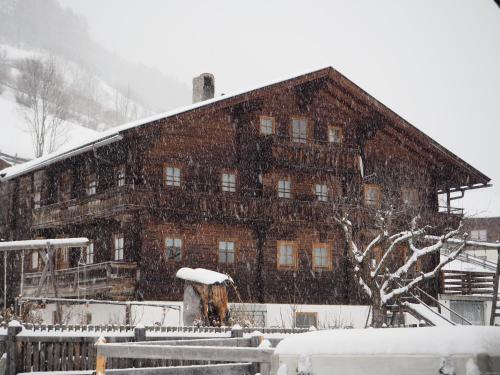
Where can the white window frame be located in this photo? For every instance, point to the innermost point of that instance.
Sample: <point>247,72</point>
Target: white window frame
<point>173,176</point>
<point>479,235</point>
<point>173,248</point>
<point>285,188</point>
<point>227,252</point>
<point>229,182</point>
<point>37,197</point>
<point>119,245</point>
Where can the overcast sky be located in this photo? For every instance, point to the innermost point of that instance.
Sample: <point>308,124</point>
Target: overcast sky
<point>436,63</point>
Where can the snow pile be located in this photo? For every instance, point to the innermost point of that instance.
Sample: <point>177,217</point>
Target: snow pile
<point>202,276</point>
<point>389,341</point>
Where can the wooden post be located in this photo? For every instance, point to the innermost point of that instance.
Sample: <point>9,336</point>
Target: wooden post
<point>100,362</point>
<point>236,331</point>
<point>495,291</point>
<point>139,333</point>
<point>12,355</point>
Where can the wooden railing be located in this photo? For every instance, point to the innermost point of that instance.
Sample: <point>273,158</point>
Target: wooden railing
<point>95,206</point>
<point>107,278</point>
<point>283,151</point>
<point>466,283</point>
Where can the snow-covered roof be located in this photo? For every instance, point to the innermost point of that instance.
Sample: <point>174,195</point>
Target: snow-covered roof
<point>41,244</point>
<point>389,341</point>
<point>464,266</point>
<point>112,134</point>
<point>202,276</point>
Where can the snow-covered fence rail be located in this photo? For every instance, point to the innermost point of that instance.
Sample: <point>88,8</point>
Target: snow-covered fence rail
<point>41,347</point>
<point>467,283</point>
<point>235,355</point>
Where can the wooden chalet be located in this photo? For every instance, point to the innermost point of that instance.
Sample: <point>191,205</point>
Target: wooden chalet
<point>245,184</point>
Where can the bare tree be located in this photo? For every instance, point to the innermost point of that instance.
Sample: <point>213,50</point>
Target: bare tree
<point>125,108</point>
<point>384,278</point>
<point>43,103</point>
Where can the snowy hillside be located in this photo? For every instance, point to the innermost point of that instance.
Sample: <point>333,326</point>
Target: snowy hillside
<point>15,140</point>
<point>93,105</point>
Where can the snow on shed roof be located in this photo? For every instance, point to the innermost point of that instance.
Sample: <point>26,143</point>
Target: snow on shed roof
<point>389,341</point>
<point>202,276</point>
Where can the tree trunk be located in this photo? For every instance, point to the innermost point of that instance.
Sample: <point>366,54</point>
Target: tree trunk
<point>378,315</point>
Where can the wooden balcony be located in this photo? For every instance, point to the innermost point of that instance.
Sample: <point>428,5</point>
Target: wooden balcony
<point>102,280</point>
<point>189,206</point>
<point>283,152</point>
<point>466,283</point>
<point>79,210</point>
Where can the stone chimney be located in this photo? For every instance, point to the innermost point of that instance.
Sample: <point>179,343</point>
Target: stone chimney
<point>203,87</point>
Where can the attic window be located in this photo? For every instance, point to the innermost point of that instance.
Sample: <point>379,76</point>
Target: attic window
<point>299,130</point>
<point>266,125</point>
<point>226,252</point>
<point>321,191</point>
<point>335,134</point>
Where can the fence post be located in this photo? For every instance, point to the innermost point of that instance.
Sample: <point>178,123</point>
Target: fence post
<point>100,362</point>
<point>139,333</point>
<point>236,331</point>
<point>12,330</point>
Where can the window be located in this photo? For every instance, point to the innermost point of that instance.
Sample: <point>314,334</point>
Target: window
<point>118,247</point>
<point>229,182</point>
<point>173,248</point>
<point>36,199</point>
<point>306,319</point>
<point>284,189</point>
<point>266,125</point>
<point>287,254</point>
<point>120,176</point>
<point>372,195</point>
<point>479,235</point>
<point>34,260</point>
<point>89,259</point>
<point>65,187</point>
<point>321,256</point>
<point>91,184</point>
<point>173,176</point>
<point>321,192</point>
<point>299,130</point>
<point>335,134</point>
<point>226,252</point>
<point>409,196</point>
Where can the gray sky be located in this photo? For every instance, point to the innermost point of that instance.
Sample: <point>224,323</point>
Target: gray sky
<point>436,63</point>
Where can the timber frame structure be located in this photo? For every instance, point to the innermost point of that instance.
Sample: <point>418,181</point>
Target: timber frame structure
<point>176,189</point>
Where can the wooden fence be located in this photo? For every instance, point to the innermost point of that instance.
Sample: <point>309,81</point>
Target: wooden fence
<point>72,348</point>
<point>467,283</point>
<point>235,355</point>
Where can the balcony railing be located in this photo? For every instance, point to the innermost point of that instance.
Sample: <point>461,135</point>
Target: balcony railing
<point>282,151</point>
<point>108,279</point>
<point>95,206</point>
